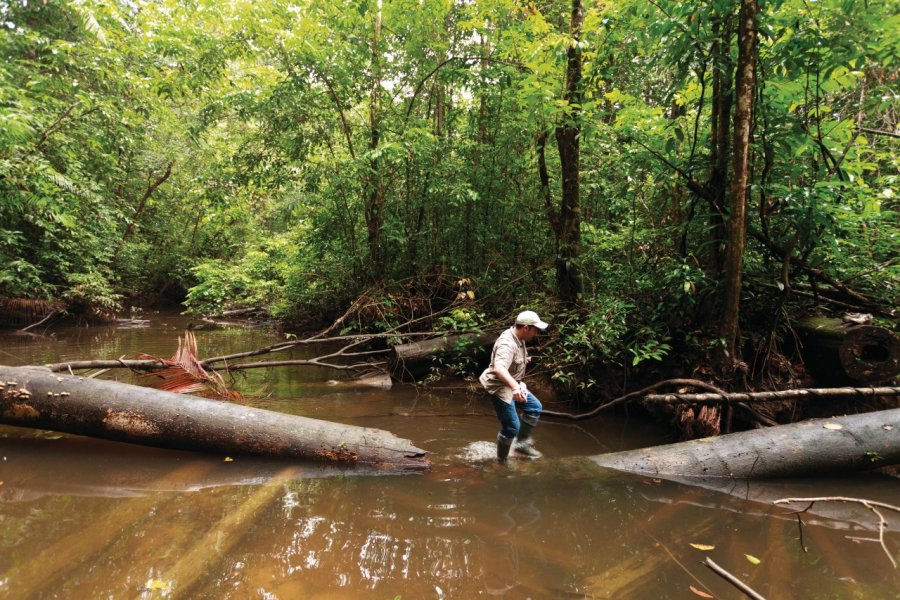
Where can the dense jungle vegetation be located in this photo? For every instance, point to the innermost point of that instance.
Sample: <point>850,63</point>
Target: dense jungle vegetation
<point>661,179</point>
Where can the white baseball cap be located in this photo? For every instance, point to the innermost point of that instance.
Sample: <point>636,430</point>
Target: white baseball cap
<point>529,317</point>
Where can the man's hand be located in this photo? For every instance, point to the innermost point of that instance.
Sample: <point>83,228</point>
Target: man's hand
<point>520,395</point>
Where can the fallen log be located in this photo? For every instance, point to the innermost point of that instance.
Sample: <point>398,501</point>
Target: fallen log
<point>415,358</point>
<point>126,363</point>
<point>849,443</point>
<point>836,350</point>
<point>715,398</point>
<point>35,397</point>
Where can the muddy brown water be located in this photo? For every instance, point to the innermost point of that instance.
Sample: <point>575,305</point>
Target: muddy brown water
<point>84,518</point>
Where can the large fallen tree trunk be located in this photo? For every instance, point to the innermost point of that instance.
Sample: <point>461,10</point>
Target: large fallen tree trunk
<point>835,350</point>
<point>35,397</point>
<point>839,444</point>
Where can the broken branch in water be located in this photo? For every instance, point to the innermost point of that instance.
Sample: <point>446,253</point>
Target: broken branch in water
<point>152,364</point>
<point>870,504</point>
<point>732,579</point>
<point>42,321</point>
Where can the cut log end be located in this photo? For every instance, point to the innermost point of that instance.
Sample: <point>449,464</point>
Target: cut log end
<point>838,352</point>
<point>870,354</point>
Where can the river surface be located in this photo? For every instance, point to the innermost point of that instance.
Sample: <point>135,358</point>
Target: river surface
<point>85,518</point>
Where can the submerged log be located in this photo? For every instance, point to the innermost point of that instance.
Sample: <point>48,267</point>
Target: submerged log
<point>35,397</point>
<point>836,349</point>
<point>839,444</point>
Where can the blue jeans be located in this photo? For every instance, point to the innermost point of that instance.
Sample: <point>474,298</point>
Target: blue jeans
<point>509,420</point>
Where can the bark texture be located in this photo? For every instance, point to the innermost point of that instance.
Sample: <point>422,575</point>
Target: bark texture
<point>568,141</point>
<point>839,444</point>
<point>776,396</point>
<point>35,397</point>
<point>743,117</point>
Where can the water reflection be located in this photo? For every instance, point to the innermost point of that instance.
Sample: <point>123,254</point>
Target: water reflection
<point>84,518</point>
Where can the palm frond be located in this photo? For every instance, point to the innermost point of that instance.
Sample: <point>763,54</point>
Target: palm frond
<point>15,312</point>
<point>185,375</point>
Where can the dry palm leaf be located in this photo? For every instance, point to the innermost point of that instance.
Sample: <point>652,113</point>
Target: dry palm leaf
<point>185,375</point>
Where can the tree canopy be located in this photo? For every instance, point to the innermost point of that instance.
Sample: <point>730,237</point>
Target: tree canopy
<point>294,154</point>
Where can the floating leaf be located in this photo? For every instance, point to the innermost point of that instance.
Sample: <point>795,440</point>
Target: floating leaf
<point>229,459</point>
<point>833,426</point>
<point>700,593</point>
<point>157,584</point>
<point>703,547</point>
<point>753,559</point>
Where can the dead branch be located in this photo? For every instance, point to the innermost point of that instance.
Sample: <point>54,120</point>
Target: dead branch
<point>775,396</point>
<point>44,320</point>
<point>79,365</point>
<point>870,504</point>
<point>615,402</point>
<point>282,346</point>
<point>818,274</point>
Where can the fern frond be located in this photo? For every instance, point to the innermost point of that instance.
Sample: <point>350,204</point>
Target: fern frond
<point>91,25</point>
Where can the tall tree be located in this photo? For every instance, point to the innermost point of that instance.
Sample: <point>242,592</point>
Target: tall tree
<point>737,223</point>
<point>568,141</point>
<point>374,183</point>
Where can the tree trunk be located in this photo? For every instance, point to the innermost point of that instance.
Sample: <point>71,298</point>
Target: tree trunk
<point>719,138</point>
<point>836,352</point>
<point>840,444</point>
<point>151,187</point>
<point>743,116</point>
<point>568,140</point>
<point>35,397</point>
<point>374,187</point>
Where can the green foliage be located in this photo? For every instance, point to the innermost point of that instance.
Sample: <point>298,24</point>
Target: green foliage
<point>302,162</point>
<point>461,319</point>
<point>255,280</point>
<point>91,293</point>
<point>650,349</point>
<point>589,338</point>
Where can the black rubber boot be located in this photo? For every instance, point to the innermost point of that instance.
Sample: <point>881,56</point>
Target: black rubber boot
<point>524,441</point>
<point>503,446</point>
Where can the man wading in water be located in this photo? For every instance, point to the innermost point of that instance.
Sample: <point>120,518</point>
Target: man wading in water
<point>503,381</point>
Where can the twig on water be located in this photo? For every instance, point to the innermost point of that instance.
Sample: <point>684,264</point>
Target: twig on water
<point>677,562</point>
<point>732,579</point>
<point>45,319</point>
<point>870,504</point>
